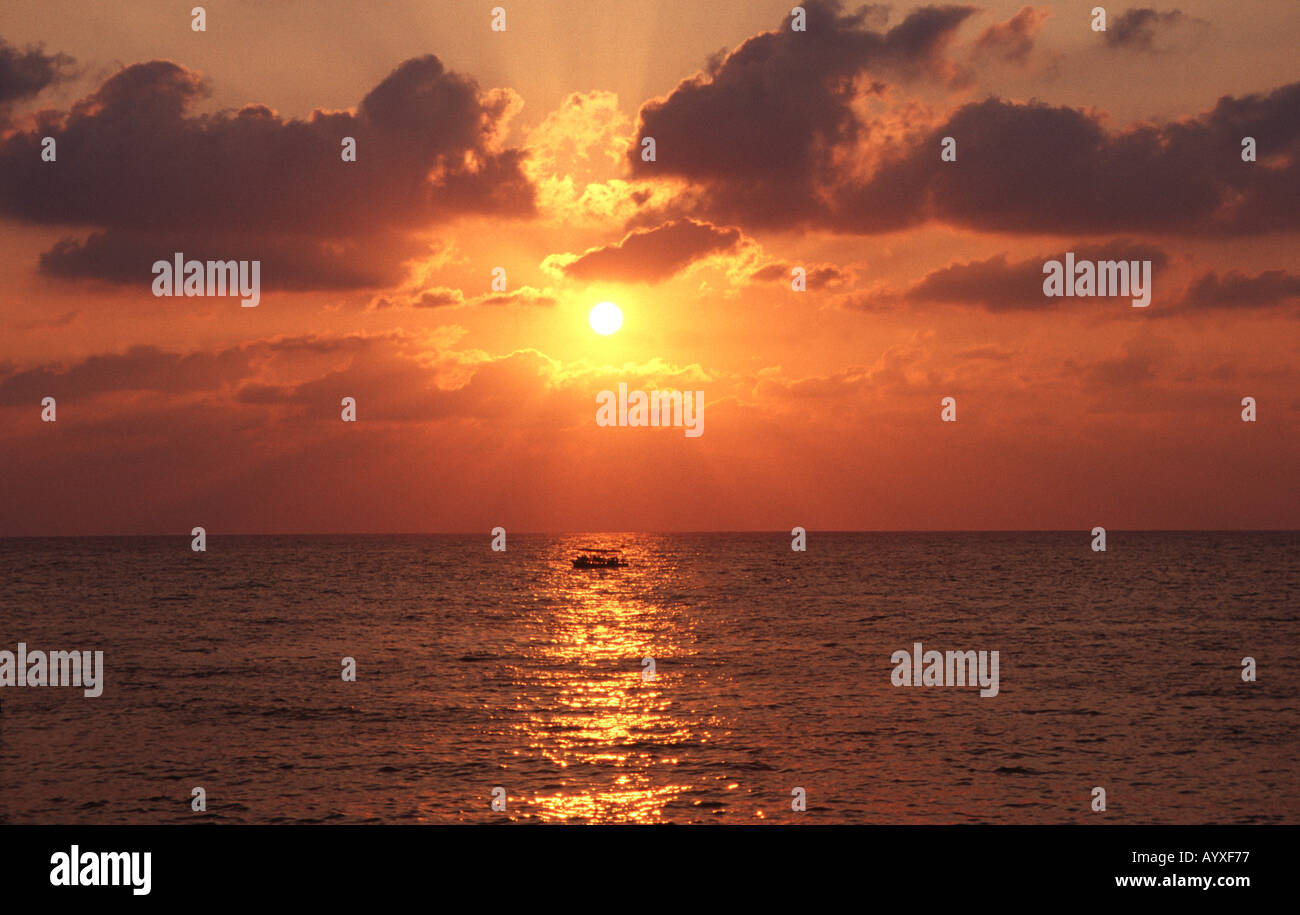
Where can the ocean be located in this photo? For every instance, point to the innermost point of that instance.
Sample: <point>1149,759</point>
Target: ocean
<point>772,671</point>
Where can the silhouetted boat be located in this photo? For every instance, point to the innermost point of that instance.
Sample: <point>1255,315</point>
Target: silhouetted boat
<point>593,558</point>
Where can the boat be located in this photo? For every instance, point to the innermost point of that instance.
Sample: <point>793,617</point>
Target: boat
<point>594,558</point>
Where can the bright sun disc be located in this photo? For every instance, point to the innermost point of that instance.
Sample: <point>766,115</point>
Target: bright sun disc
<point>605,318</point>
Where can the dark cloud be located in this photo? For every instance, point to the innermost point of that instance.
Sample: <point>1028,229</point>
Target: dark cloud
<point>825,276</point>
<point>436,297</point>
<point>393,383</point>
<point>995,283</point>
<point>25,74</point>
<point>312,344</point>
<point>45,323</point>
<point>140,368</point>
<point>758,128</point>
<point>1039,168</point>
<point>248,184</point>
<point>524,295</point>
<point>290,262</point>
<point>1136,29</point>
<point>1012,40</point>
<point>770,139</point>
<point>1135,367</point>
<point>651,255</point>
<point>999,284</point>
<point>1236,290</point>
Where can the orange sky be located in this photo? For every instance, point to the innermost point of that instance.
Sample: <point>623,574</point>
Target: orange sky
<point>518,149</point>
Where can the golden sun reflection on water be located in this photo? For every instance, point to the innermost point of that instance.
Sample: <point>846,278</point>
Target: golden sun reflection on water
<point>610,736</point>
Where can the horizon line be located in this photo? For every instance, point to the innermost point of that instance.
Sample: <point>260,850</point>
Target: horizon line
<point>779,531</point>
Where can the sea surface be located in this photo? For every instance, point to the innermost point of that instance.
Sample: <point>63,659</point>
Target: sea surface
<point>478,669</point>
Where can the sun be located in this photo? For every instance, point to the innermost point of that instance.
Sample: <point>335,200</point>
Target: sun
<point>605,318</point>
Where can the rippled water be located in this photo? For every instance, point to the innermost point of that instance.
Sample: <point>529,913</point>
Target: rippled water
<point>479,669</point>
